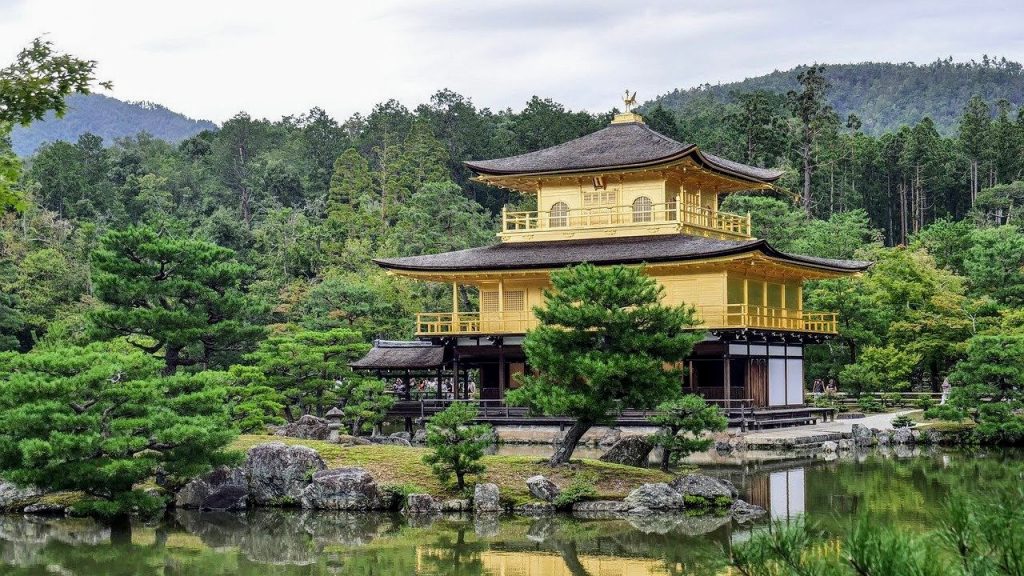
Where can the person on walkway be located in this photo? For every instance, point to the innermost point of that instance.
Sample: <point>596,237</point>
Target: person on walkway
<point>831,388</point>
<point>945,390</point>
<point>818,387</point>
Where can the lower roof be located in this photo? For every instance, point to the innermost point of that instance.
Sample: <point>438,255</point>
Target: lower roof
<point>401,355</point>
<point>626,250</point>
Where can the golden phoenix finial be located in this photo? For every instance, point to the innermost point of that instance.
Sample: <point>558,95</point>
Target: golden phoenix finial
<point>629,100</point>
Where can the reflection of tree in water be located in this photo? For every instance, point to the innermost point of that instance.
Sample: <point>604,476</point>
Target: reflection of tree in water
<point>455,556</point>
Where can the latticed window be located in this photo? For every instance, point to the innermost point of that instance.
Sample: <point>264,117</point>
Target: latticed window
<point>489,301</point>
<point>559,215</point>
<point>599,198</point>
<point>515,300</point>
<point>642,209</point>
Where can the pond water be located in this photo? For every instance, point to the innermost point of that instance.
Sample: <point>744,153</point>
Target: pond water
<point>896,491</point>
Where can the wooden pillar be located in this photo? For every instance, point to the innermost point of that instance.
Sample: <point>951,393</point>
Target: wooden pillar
<point>501,369</point>
<point>407,384</point>
<point>727,392</point>
<point>501,305</point>
<point>439,374</point>
<point>455,306</point>
<point>455,377</point>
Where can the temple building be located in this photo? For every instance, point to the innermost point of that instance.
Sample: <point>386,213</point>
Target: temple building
<point>624,195</point>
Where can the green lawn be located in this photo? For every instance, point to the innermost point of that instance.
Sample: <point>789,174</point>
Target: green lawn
<point>400,465</point>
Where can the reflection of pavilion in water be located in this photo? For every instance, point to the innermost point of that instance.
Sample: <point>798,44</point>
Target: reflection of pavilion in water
<point>782,493</point>
<point>504,563</point>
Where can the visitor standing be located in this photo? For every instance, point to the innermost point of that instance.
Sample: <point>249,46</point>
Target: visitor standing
<point>945,390</point>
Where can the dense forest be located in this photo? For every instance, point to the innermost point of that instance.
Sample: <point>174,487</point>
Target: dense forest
<point>251,245</point>
<point>108,118</point>
<point>884,95</point>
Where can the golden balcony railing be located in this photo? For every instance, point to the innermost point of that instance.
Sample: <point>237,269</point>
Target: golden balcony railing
<point>726,316</point>
<point>645,215</point>
<point>766,317</point>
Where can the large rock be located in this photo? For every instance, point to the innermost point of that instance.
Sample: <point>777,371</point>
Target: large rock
<point>829,447</point>
<point>542,488</point>
<point>706,488</point>
<point>862,435</point>
<point>609,438</point>
<point>14,497</point>
<point>456,505</point>
<point>420,437</point>
<point>278,473</point>
<point>351,489</point>
<point>307,426</point>
<point>421,504</point>
<point>389,440</point>
<point>226,498</point>
<point>535,509</point>
<point>657,496</point>
<point>631,451</point>
<point>486,498</point>
<point>902,436</point>
<point>195,493</point>
<point>745,511</point>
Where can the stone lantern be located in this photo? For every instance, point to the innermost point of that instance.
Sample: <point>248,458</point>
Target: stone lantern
<point>333,423</point>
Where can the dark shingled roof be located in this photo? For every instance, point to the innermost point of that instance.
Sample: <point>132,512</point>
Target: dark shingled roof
<point>626,250</point>
<point>392,355</point>
<point>626,145</point>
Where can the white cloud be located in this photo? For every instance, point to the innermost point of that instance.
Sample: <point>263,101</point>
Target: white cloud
<point>212,59</point>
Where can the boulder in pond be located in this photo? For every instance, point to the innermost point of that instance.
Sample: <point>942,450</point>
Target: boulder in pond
<point>862,435</point>
<point>278,473</point>
<point>226,498</point>
<point>14,497</point>
<point>350,489</point>
<point>902,436</point>
<point>307,426</point>
<point>46,509</point>
<point>456,505</point>
<point>655,496</point>
<point>743,511</point>
<point>542,488</point>
<point>535,509</point>
<point>829,447</point>
<point>195,493</point>
<point>710,490</point>
<point>631,451</point>
<point>486,498</point>
<point>609,438</point>
<point>421,504</point>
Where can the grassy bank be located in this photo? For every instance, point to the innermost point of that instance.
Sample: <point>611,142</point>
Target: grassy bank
<point>398,465</point>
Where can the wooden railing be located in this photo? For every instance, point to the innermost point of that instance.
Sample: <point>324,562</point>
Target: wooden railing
<point>728,316</point>
<point>625,216</point>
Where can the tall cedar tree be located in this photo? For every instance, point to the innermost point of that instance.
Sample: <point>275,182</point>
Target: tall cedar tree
<point>458,444</point>
<point>815,116</point>
<point>100,420</point>
<point>176,295</point>
<point>603,344</point>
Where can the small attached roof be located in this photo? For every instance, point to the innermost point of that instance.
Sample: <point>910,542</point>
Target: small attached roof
<point>606,251</point>
<point>401,355</point>
<point>619,146</point>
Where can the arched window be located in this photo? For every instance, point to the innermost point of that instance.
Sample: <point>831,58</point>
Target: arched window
<point>642,209</point>
<point>559,215</point>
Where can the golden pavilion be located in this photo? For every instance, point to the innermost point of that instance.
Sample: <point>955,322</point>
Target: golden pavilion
<point>624,195</point>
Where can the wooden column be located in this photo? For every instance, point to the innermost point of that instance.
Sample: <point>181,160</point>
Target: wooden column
<point>501,369</point>
<point>727,392</point>
<point>501,305</point>
<point>455,306</point>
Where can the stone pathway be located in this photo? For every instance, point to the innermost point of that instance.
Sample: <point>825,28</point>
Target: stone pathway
<point>818,433</point>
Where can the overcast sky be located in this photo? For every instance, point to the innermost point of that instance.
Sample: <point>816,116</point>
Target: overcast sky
<point>213,58</point>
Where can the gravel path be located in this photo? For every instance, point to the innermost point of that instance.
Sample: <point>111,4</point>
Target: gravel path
<point>827,430</point>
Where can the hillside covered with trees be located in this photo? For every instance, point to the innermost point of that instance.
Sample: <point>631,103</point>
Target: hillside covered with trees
<point>884,95</point>
<point>108,118</point>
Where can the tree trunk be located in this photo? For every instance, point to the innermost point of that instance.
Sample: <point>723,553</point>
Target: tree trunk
<point>568,445</point>
<point>806,153</point>
<point>121,530</point>
<point>172,355</point>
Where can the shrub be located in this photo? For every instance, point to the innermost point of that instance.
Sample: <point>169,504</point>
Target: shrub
<point>457,444</point>
<point>892,399</point>
<point>691,415</point>
<point>869,404</point>
<point>580,490</point>
<point>903,421</point>
<point>924,402</point>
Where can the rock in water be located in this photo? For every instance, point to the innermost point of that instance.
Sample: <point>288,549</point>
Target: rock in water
<point>486,498</point>
<point>535,509</point>
<point>829,447</point>
<point>421,504</point>
<point>705,487</point>
<point>14,497</point>
<point>902,436</point>
<point>542,488</point>
<point>351,489</point>
<point>278,473</point>
<point>307,426</point>
<point>195,493</point>
<point>456,505</point>
<point>745,511</point>
<point>862,435</point>
<point>609,438</point>
<point>228,498</point>
<point>631,451</point>
<point>658,496</point>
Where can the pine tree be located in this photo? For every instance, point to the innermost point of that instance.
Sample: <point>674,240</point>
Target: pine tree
<point>457,444</point>
<point>603,344</point>
<point>814,116</point>
<point>692,416</point>
<point>173,295</point>
<point>350,182</point>
<point>974,126</point>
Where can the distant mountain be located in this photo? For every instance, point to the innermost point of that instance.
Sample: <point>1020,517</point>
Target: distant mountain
<point>109,118</point>
<point>886,96</point>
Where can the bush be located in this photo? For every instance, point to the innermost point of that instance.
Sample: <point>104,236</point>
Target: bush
<point>457,444</point>
<point>692,416</point>
<point>869,404</point>
<point>892,399</point>
<point>924,403</point>
<point>580,490</point>
<point>903,421</point>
